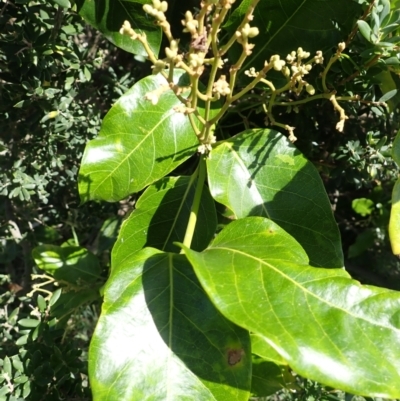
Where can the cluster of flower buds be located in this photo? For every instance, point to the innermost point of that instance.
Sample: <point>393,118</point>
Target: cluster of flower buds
<point>221,87</point>
<point>191,25</point>
<point>298,69</point>
<point>246,32</point>
<point>157,10</point>
<point>128,31</point>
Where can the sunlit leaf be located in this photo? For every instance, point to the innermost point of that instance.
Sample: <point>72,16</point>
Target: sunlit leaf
<point>138,144</point>
<point>160,338</point>
<point>260,173</point>
<point>324,324</point>
<point>69,263</point>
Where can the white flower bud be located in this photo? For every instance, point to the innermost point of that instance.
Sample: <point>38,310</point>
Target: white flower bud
<point>310,89</point>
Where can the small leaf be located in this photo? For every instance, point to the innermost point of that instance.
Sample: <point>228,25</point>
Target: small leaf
<point>62,3</point>
<point>388,95</point>
<point>70,263</point>
<point>55,296</point>
<point>363,206</point>
<point>28,322</point>
<point>22,340</point>
<point>7,367</point>
<point>41,303</point>
<point>365,29</point>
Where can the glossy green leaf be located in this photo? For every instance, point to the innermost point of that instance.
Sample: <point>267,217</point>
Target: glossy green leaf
<point>327,326</point>
<point>108,16</point>
<point>138,144</point>
<point>259,172</point>
<point>286,25</point>
<point>160,338</point>
<point>70,263</point>
<point>261,347</point>
<point>161,217</point>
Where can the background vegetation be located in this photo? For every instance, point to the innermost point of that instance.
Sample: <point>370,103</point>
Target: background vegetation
<point>58,78</point>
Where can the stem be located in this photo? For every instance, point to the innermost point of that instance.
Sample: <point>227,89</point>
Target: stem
<point>187,241</point>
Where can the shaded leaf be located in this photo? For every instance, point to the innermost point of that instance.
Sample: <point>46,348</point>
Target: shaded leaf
<point>69,302</point>
<point>268,378</point>
<point>260,173</point>
<point>286,25</point>
<point>138,144</point>
<point>159,337</point>
<point>327,326</point>
<point>70,263</point>
<point>161,217</point>
<point>396,149</point>
<point>108,16</point>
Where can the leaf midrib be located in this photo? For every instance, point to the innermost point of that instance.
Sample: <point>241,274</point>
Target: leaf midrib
<point>301,287</point>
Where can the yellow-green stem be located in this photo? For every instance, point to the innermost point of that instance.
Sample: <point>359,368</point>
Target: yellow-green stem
<point>187,241</point>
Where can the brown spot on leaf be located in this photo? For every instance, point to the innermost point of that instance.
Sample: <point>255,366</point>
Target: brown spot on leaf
<point>235,356</point>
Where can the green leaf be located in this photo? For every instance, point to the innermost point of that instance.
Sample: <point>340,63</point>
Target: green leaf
<point>108,16</point>
<point>159,337</point>
<point>365,29</point>
<point>261,348</point>
<point>268,378</point>
<point>62,3</point>
<point>161,217</point>
<point>363,206</point>
<point>327,326</point>
<point>364,241</point>
<point>259,172</point>
<point>28,322</point>
<point>286,25</point>
<point>69,302</point>
<point>70,263</point>
<point>7,367</point>
<point>138,144</point>
<point>396,149</point>
<point>107,235</point>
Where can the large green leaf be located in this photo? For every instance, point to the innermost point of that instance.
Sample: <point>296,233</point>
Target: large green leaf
<point>160,338</point>
<point>259,172</point>
<point>161,217</point>
<point>108,16</point>
<point>286,25</point>
<point>138,144</point>
<point>69,263</point>
<point>324,324</point>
